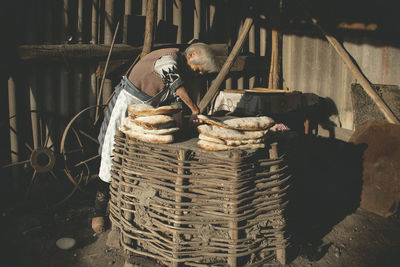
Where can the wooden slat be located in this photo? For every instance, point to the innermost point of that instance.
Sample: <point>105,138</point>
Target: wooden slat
<point>65,52</point>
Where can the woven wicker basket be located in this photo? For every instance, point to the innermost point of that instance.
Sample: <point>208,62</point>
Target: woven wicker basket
<point>178,204</point>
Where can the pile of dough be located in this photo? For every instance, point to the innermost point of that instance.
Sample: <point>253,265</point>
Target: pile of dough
<point>149,124</point>
<point>237,133</point>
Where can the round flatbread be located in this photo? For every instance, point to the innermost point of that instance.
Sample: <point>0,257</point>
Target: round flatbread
<point>140,110</point>
<point>229,134</point>
<point>210,146</point>
<point>250,123</point>
<point>127,124</point>
<point>245,123</point>
<point>212,121</point>
<point>149,138</point>
<point>155,122</point>
<point>230,142</point>
<point>211,139</point>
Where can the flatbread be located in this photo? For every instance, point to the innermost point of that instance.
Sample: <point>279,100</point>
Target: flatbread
<point>211,139</point>
<point>245,123</point>
<point>218,147</point>
<point>230,142</point>
<point>127,124</point>
<point>244,142</point>
<point>149,138</point>
<point>212,121</point>
<point>140,110</point>
<point>250,123</point>
<point>229,134</point>
<point>155,122</point>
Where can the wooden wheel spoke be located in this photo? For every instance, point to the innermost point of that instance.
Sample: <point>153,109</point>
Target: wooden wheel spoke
<point>53,174</point>
<point>29,147</point>
<point>87,160</point>
<point>51,146</point>
<point>75,150</point>
<point>41,131</point>
<point>47,139</point>
<point>16,163</point>
<point>89,136</point>
<point>73,180</point>
<point>33,176</point>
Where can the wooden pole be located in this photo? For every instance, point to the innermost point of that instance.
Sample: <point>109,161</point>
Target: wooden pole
<point>94,20</point>
<point>280,252</point>
<point>177,19</point>
<point>197,19</point>
<point>389,115</point>
<point>263,43</point>
<point>240,79</point>
<point>148,34</point>
<point>273,73</point>
<point>79,52</point>
<point>12,105</point>
<point>127,12</point>
<point>252,49</point>
<point>212,91</point>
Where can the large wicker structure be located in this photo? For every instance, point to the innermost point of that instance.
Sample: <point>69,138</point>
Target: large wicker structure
<point>178,204</point>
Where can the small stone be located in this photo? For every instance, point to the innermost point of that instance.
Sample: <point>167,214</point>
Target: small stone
<point>65,243</point>
<point>111,262</point>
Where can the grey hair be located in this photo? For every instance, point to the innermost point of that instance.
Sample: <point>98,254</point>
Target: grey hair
<point>204,56</point>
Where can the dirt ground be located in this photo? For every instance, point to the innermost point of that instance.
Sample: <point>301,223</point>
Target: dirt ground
<point>327,228</point>
<point>360,239</point>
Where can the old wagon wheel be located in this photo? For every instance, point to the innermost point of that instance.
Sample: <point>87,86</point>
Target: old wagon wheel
<point>79,145</point>
<point>42,177</point>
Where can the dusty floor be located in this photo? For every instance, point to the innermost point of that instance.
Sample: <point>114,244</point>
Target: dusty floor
<point>327,227</point>
<point>360,239</point>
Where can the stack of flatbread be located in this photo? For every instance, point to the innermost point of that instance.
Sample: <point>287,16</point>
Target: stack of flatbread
<point>149,124</point>
<point>237,133</point>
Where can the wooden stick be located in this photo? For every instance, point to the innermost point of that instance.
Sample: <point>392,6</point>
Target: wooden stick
<point>148,34</point>
<point>280,252</point>
<point>273,72</point>
<point>178,199</point>
<point>105,70</point>
<point>389,115</point>
<point>212,91</point>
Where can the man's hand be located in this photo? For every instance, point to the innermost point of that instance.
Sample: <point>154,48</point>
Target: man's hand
<point>194,121</point>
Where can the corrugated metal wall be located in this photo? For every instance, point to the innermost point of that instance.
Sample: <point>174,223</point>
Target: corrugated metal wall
<point>311,65</point>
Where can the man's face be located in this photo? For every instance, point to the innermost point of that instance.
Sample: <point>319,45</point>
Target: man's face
<point>197,69</point>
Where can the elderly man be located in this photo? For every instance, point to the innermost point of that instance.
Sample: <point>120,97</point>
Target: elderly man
<point>157,79</point>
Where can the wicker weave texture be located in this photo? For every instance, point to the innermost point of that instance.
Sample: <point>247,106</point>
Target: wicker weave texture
<point>182,205</point>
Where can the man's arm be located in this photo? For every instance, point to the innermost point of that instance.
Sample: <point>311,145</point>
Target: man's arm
<point>182,93</point>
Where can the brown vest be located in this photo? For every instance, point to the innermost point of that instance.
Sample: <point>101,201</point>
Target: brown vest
<point>143,76</point>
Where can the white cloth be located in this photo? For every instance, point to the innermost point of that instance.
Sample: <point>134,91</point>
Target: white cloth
<point>124,99</point>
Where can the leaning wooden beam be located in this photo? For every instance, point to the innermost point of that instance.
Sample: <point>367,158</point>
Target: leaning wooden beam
<point>389,115</point>
<point>212,91</point>
<point>90,51</point>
